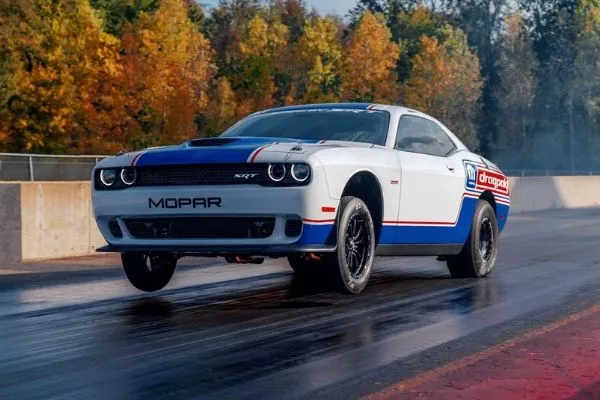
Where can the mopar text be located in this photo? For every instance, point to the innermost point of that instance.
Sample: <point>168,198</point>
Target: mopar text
<point>185,202</point>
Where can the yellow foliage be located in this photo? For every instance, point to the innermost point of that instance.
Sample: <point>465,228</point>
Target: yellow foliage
<point>441,74</point>
<point>318,60</point>
<point>59,54</point>
<point>261,52</point>
<point>174,66</point>
<point>370,59</point>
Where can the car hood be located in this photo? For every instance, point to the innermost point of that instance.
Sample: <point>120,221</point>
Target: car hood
<point>225,150</point>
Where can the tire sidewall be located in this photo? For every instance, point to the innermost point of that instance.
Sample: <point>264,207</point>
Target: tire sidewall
<point>353,206</point>
<point>482,267</point>
<point>134,265</point>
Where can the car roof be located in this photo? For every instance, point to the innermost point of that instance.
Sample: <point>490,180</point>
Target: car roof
<point>346,106</point>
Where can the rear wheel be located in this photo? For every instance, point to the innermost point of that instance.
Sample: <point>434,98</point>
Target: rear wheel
<point>478,256</point>
<point>352,263</point>
<point>149,272</point>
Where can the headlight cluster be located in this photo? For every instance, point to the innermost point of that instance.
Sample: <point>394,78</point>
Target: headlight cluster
<point>115,178</point>
<point>294,174</point>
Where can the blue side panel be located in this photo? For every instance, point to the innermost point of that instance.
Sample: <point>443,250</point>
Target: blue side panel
<point>415,234</point>
<point>502,213</point>
<point>387,235</point>
<point>423,234</point>
<point>314,234</point>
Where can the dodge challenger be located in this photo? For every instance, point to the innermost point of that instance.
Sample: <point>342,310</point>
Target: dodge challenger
<point>329,186</point>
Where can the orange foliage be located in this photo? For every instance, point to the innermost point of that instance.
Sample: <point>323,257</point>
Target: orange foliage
<point>370,59</point>
<point>441,74</point>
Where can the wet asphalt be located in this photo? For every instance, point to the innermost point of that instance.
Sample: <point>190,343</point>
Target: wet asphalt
<point>76,330</point>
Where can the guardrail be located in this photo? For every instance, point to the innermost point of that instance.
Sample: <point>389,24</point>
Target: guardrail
<point>45,167</point>
<point>549,172</point>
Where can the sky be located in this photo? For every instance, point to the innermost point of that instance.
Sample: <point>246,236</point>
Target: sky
<point>339,7</point>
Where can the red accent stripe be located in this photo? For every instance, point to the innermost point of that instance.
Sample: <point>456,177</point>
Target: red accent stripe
<point>257,152</point>
<point>318,220</point>
<point>136,158</point>
<point>328,209</point>
<point>419,222</point>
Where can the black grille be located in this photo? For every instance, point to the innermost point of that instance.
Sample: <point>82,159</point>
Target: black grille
<point>114,228</point>
<point>201,228</point>
<point>216,174</point>
<point>293,227</point>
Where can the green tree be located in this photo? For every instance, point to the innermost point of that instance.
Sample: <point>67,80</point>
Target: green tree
<point>515,94</point>
<point>318,61</point>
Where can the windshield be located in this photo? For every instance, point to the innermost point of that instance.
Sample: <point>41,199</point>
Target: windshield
<point>366,126</point>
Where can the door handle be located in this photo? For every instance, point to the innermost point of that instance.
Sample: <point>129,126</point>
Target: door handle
<point>450,168</point>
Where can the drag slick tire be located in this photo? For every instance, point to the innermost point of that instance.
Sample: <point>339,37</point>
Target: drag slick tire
<point>478,256</point>
<point>149,272</point>
<point>352,263</point>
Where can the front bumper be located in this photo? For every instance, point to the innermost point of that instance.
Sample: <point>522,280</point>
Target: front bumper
<point>212,250</point>
<point>281,203</point>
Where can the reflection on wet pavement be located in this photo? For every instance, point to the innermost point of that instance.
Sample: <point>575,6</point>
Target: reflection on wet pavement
<point>232,332</point>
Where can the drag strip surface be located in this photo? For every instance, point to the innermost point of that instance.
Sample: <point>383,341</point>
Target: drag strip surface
<point>229,331</point>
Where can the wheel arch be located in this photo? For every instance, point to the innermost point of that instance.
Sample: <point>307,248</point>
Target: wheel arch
<point>489,197</point>
<point>365,185</point>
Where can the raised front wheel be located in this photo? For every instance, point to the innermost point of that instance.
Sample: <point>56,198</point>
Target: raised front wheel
<point>149,272</point>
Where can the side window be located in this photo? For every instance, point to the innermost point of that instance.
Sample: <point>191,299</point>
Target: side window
<point>419,135</point>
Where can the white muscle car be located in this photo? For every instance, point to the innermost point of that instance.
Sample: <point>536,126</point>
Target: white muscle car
<point>329,186</point>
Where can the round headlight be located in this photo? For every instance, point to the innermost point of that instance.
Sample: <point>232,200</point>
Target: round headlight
<point>128,176</point>
<point>276,172</point>
<point>300,172</point>
<point>108,177</point>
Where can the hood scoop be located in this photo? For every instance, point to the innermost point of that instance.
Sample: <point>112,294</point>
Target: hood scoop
<point>211,142</point>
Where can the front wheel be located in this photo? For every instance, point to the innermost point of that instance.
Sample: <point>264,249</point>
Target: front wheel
<point>149,272</point>
<point>353,262</point>
<point>478,256</point>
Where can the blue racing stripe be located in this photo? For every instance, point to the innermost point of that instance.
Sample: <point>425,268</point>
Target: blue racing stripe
<point>237,151</point>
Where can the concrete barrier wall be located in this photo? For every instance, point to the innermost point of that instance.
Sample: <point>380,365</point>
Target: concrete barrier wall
<point>57,220</point>
<point>41,220</point>
<point>10,222</point>
<point>546,193</point>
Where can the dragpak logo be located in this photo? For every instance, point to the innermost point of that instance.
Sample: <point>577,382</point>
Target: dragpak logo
<point>471,172</point>
<point>480,178</point>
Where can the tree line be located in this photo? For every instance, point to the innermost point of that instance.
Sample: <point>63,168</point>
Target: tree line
<point>517,80</point>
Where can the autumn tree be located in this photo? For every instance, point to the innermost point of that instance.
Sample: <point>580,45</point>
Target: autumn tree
<point>57,51</point>
<point>222,110</point>
<point>260,54</point>
<point>410,26</point>
<point>370,59</point>
<point>444,73</point>
<point>173,66</point>
<point>318,61</point>
<point>517,67</point>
